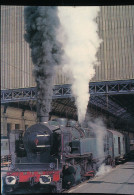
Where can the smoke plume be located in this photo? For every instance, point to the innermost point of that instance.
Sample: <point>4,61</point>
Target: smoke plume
<point>41,24</point>
<point>78,32</point>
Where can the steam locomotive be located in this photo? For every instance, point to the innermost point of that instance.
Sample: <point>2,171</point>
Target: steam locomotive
<point>59,153</point>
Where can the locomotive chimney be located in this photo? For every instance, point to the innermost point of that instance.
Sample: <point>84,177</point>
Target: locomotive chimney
<point>43,118</point>
<point>42,115</point>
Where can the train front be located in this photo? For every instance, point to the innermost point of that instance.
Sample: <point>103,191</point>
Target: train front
<point>41,165</point>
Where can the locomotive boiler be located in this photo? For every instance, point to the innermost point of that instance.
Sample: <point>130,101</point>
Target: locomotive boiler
<point>58,153</point>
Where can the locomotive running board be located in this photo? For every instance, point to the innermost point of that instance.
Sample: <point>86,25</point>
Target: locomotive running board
<point>79,156</point>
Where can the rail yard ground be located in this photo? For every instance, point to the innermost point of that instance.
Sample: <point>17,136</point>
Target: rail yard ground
<point>120,180</point>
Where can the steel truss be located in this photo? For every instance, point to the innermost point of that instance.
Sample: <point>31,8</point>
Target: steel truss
<point>64,91</point>
<point>112,87</point>
<point>110,106</point>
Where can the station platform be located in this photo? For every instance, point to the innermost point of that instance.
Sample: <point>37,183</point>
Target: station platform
<point>120,180</point>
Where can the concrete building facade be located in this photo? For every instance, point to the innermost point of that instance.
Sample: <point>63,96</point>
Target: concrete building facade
<point>116,29</point>
<point>16,65</point>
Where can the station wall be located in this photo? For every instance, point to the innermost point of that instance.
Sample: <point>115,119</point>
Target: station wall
<point>14,118</point>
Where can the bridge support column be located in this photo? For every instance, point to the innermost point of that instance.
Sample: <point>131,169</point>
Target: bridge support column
<point>5,121</point>
<point>23,120</point>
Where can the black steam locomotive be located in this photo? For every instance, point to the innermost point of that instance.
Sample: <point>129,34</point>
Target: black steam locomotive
<point>59,154</point>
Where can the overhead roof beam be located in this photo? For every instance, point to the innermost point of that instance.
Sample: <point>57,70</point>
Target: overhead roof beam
<point>64,91</point>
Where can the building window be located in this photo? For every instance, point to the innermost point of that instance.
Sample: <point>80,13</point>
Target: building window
<point>119,146</point>
<point>2,127</point>
<point>8,129</point>
<point>17,126</point>
<point>26,126</point>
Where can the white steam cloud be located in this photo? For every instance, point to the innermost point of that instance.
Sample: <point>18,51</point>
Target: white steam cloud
<point>98,127</point>
<point>103,169</point>
<point>81,42</point>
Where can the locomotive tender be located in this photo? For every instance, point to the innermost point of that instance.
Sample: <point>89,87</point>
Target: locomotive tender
<point>58,153</point>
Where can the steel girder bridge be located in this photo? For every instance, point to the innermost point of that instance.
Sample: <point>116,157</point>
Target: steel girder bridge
<point>114,98</point>
<point>64,91</point>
